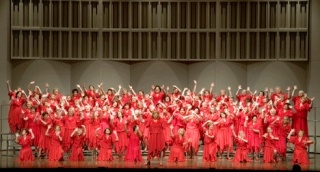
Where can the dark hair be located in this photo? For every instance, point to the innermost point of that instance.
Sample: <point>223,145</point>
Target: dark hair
<point>75,90</point>
<point>262,92</point>
<point>253,116</point>
<point>18,93</point>
<point>45,113</point>
<point>105,130</point>
<point>134,127</point>
<point>157,86</point>
<point>223,113</point>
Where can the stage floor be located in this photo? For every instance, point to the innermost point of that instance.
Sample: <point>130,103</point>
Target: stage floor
<point>221,164</point>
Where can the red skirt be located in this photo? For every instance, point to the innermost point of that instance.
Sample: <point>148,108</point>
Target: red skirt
<point>176,154</point>
<point>105,154</point>
<point>268,154</point>
<point>241,155</point>
<point>156,144</point>
<point>210,152</point>
<point>26,154</point>
<point>133,153</point>
<point>122,143</point>
<point>76,154</point>
<point>55,153</point>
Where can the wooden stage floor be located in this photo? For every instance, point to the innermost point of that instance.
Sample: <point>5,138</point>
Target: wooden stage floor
<point>190,164</point>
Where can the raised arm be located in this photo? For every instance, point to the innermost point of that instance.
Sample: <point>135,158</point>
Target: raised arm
<point>211,87</point>
<point>195,86</point>
<point>133,92</point>
<point>8,86</point>
<point>74,131</point>
<point>32,135</point>
<point>294,90</point>
<point>29,86</point>
<point>47,131</point>
<point>288,90</point>
<point>230,93</point>
<point>239,88</point>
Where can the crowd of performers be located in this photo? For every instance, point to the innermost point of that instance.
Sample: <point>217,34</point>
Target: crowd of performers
<point>126,123</point>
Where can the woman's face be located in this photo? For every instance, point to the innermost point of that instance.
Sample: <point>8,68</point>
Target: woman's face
<point>91,88</point>
<point>300,133</point>
<point>107,131</point>
<point>269,130</point>
<point>157,89</point>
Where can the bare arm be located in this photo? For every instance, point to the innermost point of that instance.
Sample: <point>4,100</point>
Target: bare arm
<point>8,86</point>
<point>195,86</point>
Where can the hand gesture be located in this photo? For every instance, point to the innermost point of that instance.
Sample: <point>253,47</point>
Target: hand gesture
<point>32,82</point>
<point>120,86</point>
<point>194,81</point>
<point>49,126</point>
<point>295,87</point>
<point>8,82</point>
<point>30,130</point>
<point>239,87</point>
<point>248,88</point>
<point>212,85</point>
<point>130,87</point>
<point>152,86</point>
<point>171,127</point>
<point>288,89</point>
<point>47,85</point>
<point>17,134</point>
<point>312,99</point>
<point>229,88</point>
<point>266,89</point>
<point>78,86</point>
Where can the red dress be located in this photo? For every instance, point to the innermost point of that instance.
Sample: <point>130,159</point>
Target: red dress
<point>283,132</point>
<point>157,97</point>
<point>156,142</point>
<point>15,116</point>
<point>177,150</point>
<point>76,148</point>
<point>119,127</point>
<point>210,147</point>
<point>105,153</point>
<point>70,123</point>
<point>269,148</point>
<point>224,134</point>
<point>55,148</point>
<point>133,152</point>
<point>254,138</point>
<point>26,150</point>
<point>300,118</point>
<point>43,139</point>
<point>192,132</point>
<point>300,153</point>
<point>241,154</point>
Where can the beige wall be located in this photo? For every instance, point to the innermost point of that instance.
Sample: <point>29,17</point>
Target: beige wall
<point>111,74</point>
<point>56,73</point>
<point>145,74</point>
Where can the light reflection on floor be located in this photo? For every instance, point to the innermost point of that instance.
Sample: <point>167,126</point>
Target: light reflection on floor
<point>10,162</point>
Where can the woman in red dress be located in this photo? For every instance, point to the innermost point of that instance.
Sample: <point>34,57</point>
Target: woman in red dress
<point>284,130</point>
<point>44,121</point>
<point>156,141</point>
<point>193,133</point>
<point>157,94</point>
<point>55,146</point>
<point>15,116</point>
<point>210,147</point>
<point>178,147</point>
<point>300,118</point>
<point>224,134</point>
<point>25,141</point>
<point>254,136</point>
<point>133,153</point>
<point>70,123</point>
<point>270,150</point>
<point>119,124</point>
<point>106,141</point>
<point>78,136</point>
<point>242,151</point>
<point>301,143</point>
